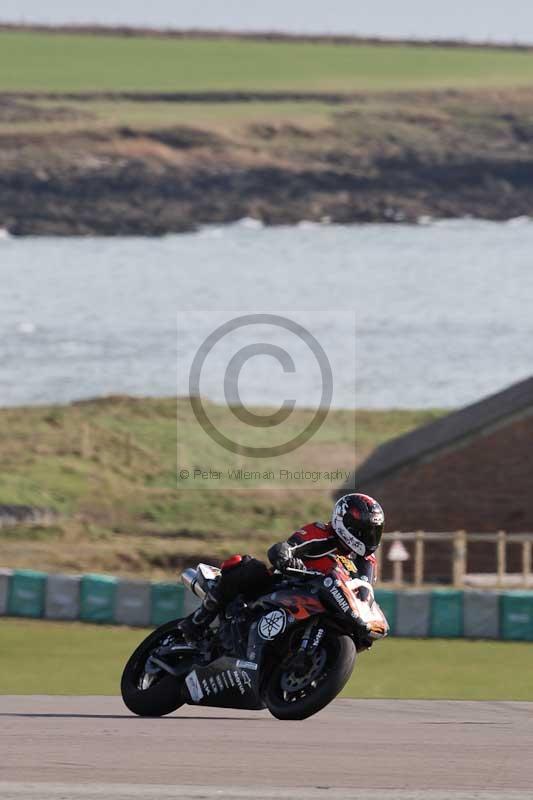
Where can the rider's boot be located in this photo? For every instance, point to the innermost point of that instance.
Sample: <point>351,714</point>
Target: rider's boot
<point>194,627</point>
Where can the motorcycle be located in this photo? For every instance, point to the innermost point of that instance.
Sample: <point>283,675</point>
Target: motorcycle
<point>290,651</point>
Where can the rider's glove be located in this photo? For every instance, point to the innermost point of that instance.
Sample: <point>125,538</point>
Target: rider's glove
<point>296,563</point>
<point>377,629</point>
<point>371,630</point>
<point>280,556</point>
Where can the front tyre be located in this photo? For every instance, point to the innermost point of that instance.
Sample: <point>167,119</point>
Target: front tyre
<point>299,693</point>
<point>147,691</point>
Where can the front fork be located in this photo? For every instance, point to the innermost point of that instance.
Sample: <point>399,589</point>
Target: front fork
<point>312,637</point>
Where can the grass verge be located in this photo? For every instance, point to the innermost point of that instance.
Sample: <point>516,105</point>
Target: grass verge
<point>444,669</point>
<point>39,657</point>
<point>39,61</point>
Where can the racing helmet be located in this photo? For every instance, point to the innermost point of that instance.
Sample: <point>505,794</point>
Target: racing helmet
<point>358,521</point>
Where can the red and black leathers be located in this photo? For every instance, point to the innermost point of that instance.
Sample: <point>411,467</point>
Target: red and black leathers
<point>318,547</point>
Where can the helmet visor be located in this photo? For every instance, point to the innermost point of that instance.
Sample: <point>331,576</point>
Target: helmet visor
<point>372,537</point>
<point>367,532</point>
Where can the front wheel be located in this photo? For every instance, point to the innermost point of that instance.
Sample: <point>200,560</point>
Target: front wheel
<point>298,693</point>
<point>147,690</point>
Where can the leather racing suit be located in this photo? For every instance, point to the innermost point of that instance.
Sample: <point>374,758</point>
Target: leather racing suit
<point>317,547</point>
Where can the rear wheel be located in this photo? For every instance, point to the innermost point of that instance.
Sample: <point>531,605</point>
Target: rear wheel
<point>297,691</point>
<point>147,689</point>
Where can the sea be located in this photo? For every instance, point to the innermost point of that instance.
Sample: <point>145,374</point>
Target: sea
<point>434,315</point>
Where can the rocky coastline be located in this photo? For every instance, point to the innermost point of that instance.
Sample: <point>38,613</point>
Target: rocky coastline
<point>398,159</point>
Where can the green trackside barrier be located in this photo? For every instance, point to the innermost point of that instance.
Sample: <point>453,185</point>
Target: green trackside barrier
<point>97,599</point>
<point>516,611</point>
<point>26,593</point>
<point>387,600</point>
<point>166,602</point>
<point>446,620</point>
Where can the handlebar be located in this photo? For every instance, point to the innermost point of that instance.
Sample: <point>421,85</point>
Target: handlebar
<point>308,573</point>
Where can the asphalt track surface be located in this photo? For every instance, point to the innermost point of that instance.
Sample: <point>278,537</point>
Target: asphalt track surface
<point>63,748</point>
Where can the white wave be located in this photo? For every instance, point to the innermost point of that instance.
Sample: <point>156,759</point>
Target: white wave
<point>250,223</point>
<point>308,225</point>
<point>519,221</point>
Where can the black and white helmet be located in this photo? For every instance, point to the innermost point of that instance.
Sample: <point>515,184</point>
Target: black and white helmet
<point>358,521</point>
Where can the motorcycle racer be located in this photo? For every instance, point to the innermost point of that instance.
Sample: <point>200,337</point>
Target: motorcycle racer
<point>352,536</point>
<point>354,532</point>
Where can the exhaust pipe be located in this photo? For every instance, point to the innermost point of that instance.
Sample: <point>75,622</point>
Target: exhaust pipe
<point>189,578</point>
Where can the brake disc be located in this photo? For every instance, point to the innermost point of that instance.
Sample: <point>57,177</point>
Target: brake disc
<point>293,681</point>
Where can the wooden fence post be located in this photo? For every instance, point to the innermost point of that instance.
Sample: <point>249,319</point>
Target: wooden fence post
<point>419,558</point>
<point>526,561</point>
<point>397,554</point>
<point>501,551</point>
<point>459,558</point>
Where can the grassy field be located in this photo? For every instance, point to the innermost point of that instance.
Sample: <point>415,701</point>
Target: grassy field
<point>76,116</point>
<point>109,469</point>
<point>77,63</point>
<point>83,659</point>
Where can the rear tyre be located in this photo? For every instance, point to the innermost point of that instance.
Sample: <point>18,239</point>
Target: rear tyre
<point>288,696</point>
<point>151,694</point>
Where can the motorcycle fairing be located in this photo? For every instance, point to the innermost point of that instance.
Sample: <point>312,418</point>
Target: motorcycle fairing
<point>224,683</point>
<point>296,607</point>
<point>300,605</point>
<point>229,682</point>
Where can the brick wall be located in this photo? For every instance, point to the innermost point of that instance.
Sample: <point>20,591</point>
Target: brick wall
<point>484,485</point>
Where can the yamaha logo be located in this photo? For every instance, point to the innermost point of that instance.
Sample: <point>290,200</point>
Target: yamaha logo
<point>272,624</point>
